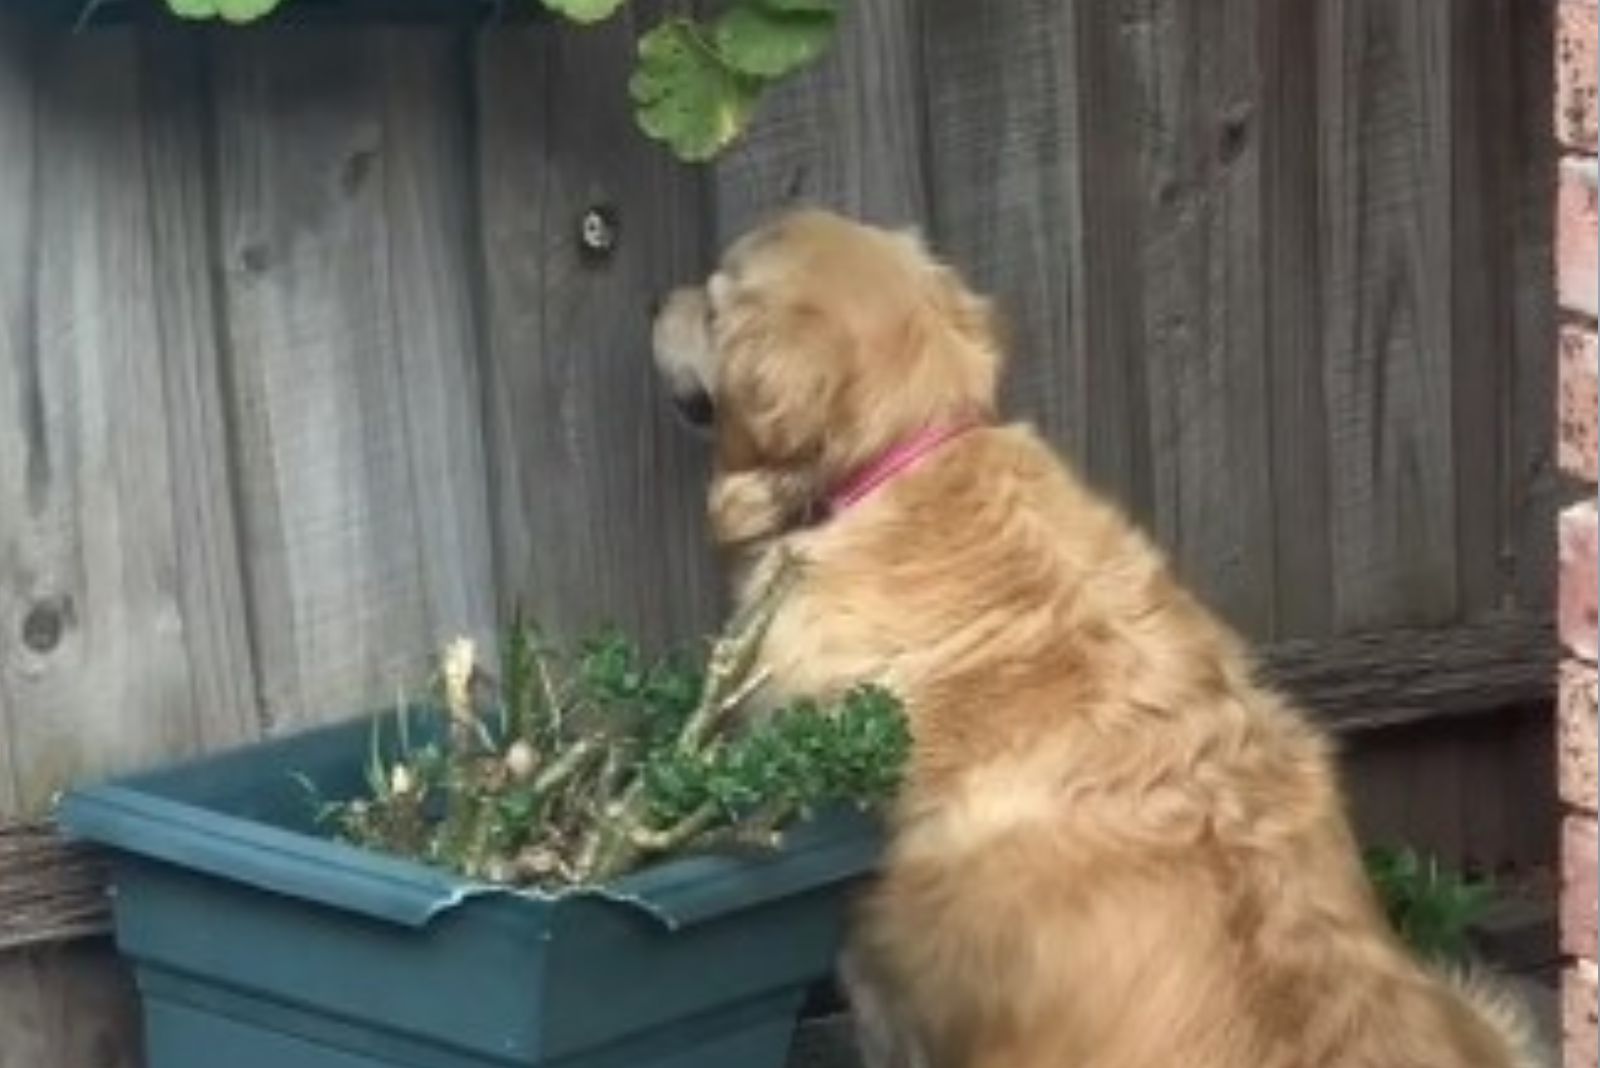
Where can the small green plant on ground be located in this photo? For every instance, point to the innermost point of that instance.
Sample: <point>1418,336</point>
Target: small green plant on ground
<point>574,770</point>
<point>1431,907</point>
<point>697,81</point>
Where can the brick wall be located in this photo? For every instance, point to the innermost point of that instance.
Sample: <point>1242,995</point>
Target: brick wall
<point>1578,450</point>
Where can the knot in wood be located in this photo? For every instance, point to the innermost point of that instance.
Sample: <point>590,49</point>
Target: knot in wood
<point>42,627</point>
<point>597,232</point>
<point>1234,132</point>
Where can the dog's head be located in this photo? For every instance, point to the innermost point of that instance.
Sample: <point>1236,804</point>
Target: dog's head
<point>817,344</point>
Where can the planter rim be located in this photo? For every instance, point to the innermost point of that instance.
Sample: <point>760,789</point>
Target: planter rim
<point>139,815</point>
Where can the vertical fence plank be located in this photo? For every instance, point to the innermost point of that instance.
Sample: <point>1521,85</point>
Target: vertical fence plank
<point>1487,835</point>
<point>210,572</point>
<point>20,401</point>
<point>68,1006</point>
<point>1005,151</point>
<point>1385,154</point>
<point>1291,292</point>
<point>433,273</point>
<point>847,135</point>
<point>1533,487</point>
<point>1113,83</point>
<point>1481,325</point>
<point>598,496</point>
<point>111,593</point>
<point>94,660</point>
<point>354,474</point>
<point>1525,775</point>
<point>1204,321</point>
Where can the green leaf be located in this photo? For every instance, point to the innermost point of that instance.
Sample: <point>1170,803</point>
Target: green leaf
<point>1431,908</point>
<point>193,9</point>
<point>236,11</point>
<point>685,95</point>
<point>585,11</point>
<point>768,43</point>
<point>826,7</point>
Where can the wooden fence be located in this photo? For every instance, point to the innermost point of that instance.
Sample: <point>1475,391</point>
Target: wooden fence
<point>304,366</point>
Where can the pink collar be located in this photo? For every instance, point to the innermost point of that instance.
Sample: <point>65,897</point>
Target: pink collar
<point>891,462</point>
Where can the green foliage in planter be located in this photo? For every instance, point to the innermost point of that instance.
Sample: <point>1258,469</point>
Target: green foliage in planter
<point>574,770</point>
<point>697,81</point>
<point>1431,907</point>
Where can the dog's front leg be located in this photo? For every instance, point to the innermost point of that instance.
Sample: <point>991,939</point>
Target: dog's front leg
<point>750,507</point>
<point>883,1034</point>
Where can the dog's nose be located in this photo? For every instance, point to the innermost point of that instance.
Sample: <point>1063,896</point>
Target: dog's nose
<point>657,302</point>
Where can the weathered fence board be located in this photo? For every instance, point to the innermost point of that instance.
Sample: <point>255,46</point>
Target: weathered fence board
<point>597,496</point>
<point>19,397</point>
<point>210,573</point>
<point>1526,153</point>
<point>360,555</point>
<point>95,669</point>
<point>116,624</point>
<point>849,135</point>
<point>433,264</point>
<point>1202,340</point>
<point>67,1006</point>
<point>1384,118</point>
<point>1008,150</point>
<point>1292,296</point>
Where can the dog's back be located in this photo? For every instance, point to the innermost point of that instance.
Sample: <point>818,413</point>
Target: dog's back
<point>1116,848</point>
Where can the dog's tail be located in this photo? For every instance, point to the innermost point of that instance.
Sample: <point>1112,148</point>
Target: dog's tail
<point>1505,1013</point>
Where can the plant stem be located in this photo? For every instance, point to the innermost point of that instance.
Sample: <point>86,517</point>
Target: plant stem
<point>569,764</point>
<point>611,847</point>
<point>475,853</point>
<point>551,724</point>
<point>757,831</point>
<point>676,836</point>
<point>731,659</point>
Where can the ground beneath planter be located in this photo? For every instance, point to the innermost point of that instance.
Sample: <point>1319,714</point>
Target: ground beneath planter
<point>825,1042</point>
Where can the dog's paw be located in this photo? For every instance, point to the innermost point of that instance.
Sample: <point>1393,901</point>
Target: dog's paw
<point>746,507</point>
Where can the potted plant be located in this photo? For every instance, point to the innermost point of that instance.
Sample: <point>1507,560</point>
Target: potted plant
<point>581,870</point>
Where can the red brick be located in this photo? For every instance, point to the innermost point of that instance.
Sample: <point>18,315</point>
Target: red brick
<point>1580,1015</point>
<point>1577,26</point>
<point>1580,883</point>
<point>1578,410</point>
<point>1578,733</point>
<point>1577,237</point>
<point>1578,579</point>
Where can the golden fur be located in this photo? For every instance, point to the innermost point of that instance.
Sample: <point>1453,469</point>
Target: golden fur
<point>1115,848</point>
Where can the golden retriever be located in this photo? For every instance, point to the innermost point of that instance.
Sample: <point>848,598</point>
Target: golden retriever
<point>1115,848</point>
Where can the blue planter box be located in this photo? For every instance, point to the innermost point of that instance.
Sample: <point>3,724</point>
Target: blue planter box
<point>257,943</point>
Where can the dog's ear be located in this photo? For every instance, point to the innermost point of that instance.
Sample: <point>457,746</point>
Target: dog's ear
<point>783,370</point>
<point>971,316</point>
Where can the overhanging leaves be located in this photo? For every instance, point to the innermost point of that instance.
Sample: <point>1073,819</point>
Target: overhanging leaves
<point>769,42</point>
<point>685,93</point>
<point>235,11</point>
<point>696,84</point>
<point>585,11</point>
